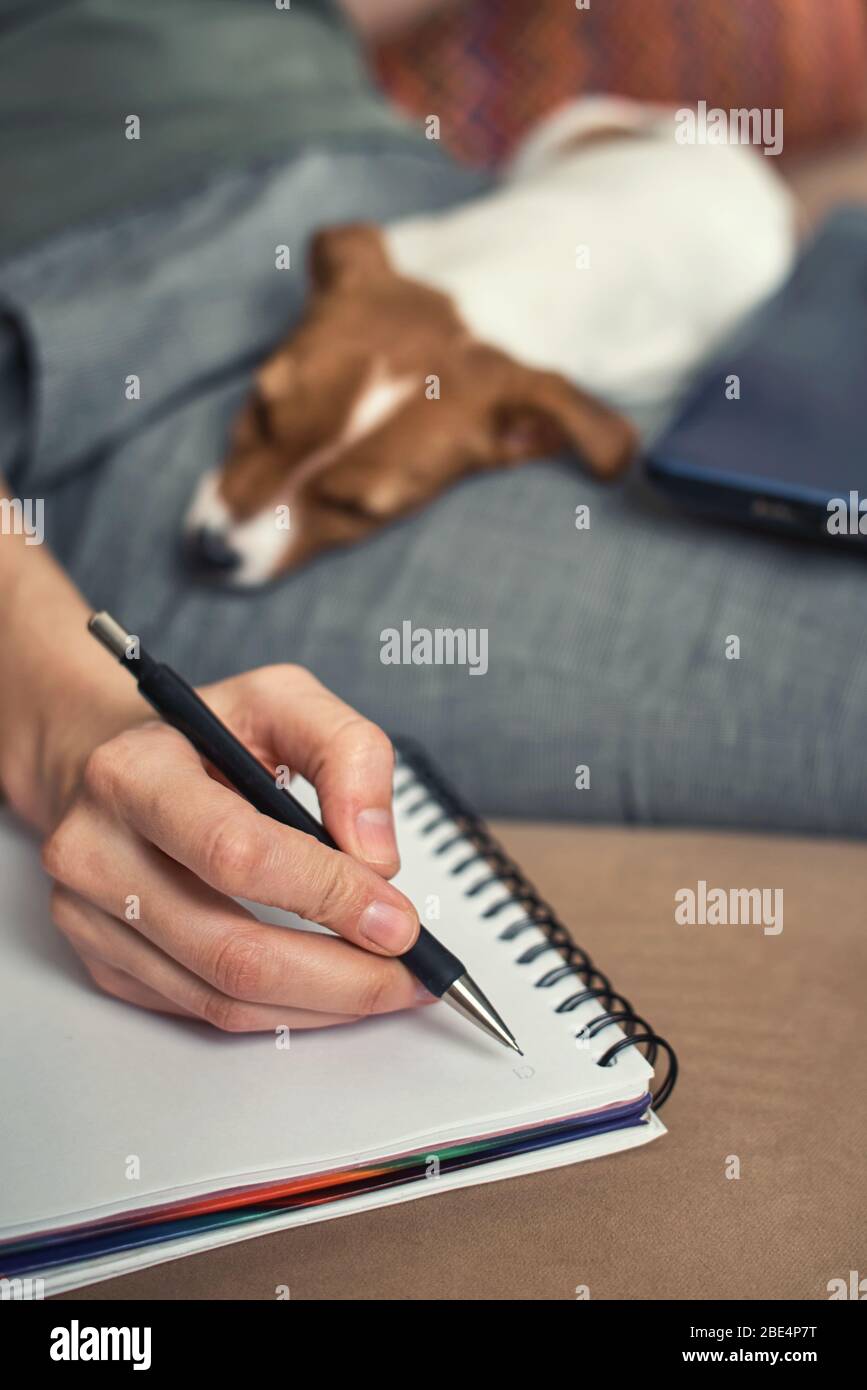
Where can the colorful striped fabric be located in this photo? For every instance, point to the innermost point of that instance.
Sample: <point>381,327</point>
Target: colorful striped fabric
<point>490,68</point>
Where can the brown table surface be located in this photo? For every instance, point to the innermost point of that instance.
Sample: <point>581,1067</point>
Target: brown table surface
<point>770,1036</point>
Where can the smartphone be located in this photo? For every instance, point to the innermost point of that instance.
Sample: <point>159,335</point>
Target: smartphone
<point>774,433</point>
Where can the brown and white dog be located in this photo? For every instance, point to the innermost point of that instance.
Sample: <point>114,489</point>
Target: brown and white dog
<point>590,282</point>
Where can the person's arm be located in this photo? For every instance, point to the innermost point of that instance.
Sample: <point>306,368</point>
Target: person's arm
<point>56,700</point>
<point>149,852</point>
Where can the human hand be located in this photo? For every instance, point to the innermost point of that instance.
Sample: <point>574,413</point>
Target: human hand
<point>145,829</point>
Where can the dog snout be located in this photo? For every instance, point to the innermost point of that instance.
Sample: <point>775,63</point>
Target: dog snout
<point>211,548</point>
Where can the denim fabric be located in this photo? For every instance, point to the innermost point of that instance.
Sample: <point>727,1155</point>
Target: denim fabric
<point>215,84</point>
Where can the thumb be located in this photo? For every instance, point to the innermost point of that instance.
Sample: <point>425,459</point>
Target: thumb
<point>349,760</point>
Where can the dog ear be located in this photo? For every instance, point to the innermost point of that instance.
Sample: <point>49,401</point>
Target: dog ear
<point>539,412</point>
<point>347,255</point>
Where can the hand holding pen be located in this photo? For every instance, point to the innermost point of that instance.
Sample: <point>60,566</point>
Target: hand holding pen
<point>152,851</point>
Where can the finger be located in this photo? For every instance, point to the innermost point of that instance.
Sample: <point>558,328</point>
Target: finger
<point>124,987</point>
<point>218,939</point>
<point>160,982</point>
<point>154,780</point>
<point>348,759</point>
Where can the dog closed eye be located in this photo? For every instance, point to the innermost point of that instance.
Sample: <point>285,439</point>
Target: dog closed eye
<point>352,507</point>
<point>262,416</point>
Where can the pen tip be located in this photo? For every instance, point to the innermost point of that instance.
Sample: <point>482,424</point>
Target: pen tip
<point>464,995</point>
<point>109,632</point>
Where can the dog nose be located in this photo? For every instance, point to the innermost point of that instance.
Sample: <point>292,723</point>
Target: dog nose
<point>210,547</point>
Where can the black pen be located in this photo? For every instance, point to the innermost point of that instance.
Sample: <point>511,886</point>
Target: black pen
<point>178,704</point>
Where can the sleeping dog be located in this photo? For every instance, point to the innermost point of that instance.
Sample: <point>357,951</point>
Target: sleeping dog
<point>589,283</point>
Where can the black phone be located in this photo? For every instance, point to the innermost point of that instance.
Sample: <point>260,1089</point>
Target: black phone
<point>774,433</point>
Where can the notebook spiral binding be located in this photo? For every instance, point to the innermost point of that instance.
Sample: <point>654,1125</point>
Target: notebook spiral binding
<point>473,831</point>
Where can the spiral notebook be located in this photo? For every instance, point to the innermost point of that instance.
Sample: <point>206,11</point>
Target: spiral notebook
<point>133,1138</point>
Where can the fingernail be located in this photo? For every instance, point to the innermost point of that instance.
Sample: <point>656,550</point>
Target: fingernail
<point>387,926</point>
<point>424,996</point>
<point>375,831</point>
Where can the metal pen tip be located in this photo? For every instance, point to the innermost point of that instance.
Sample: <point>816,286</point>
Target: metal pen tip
<point>466,997</point>
<point>110,633</point>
